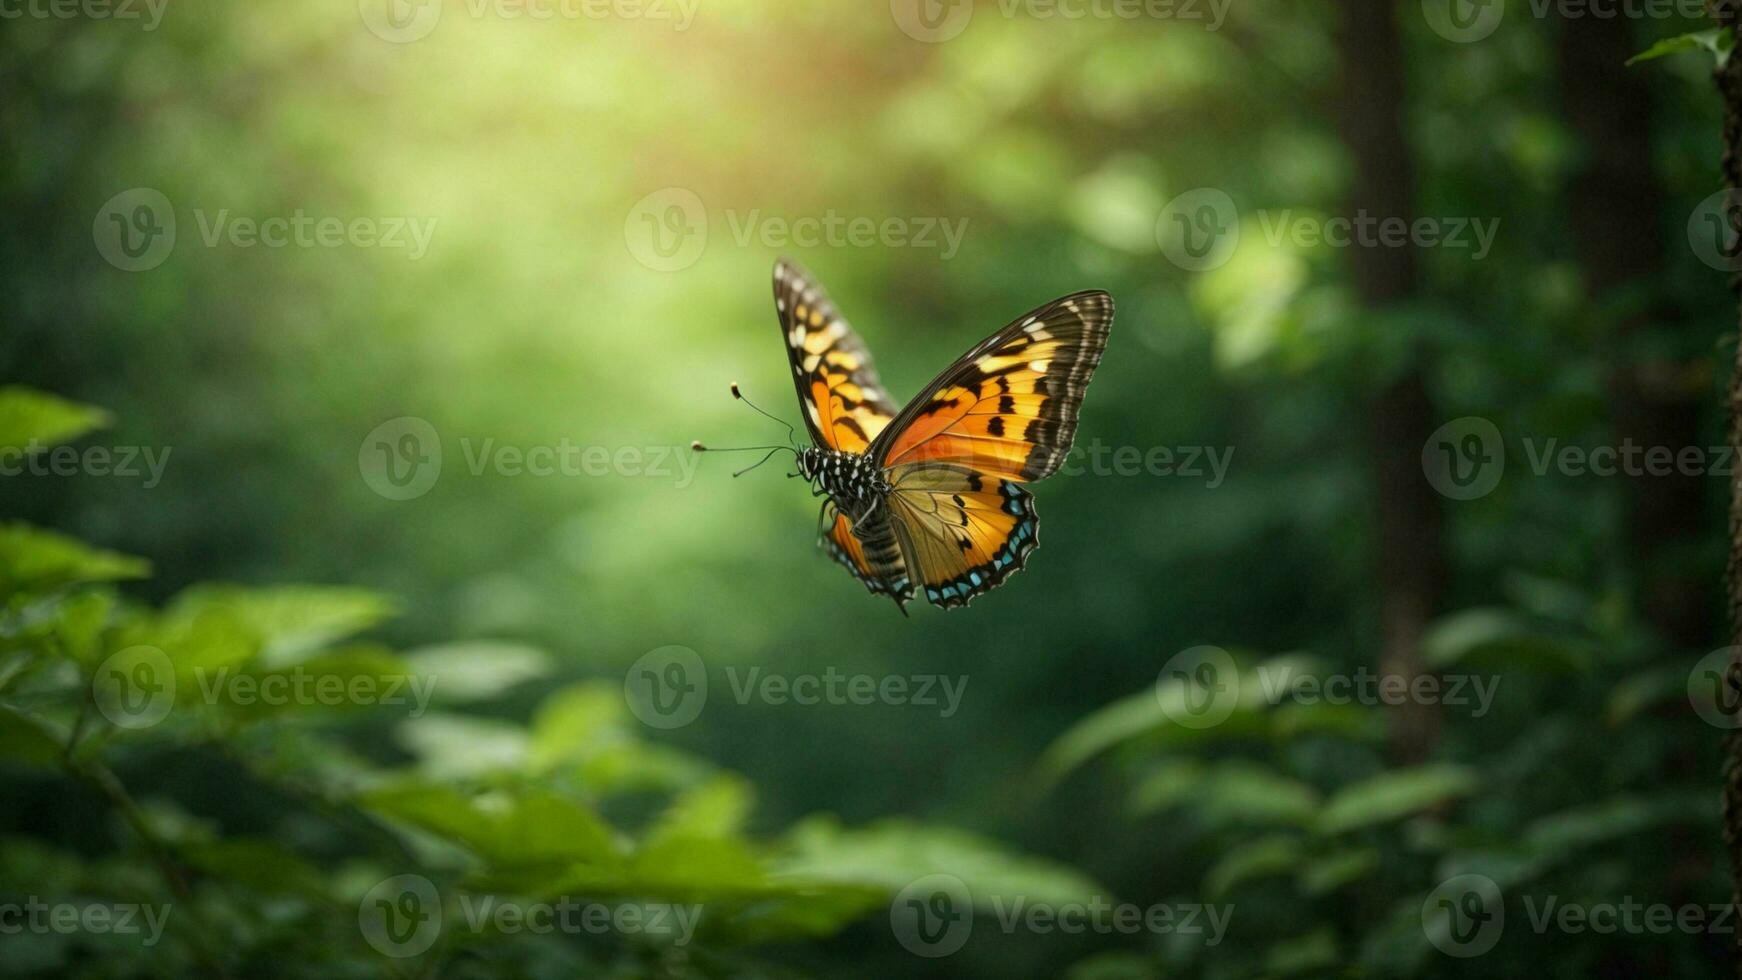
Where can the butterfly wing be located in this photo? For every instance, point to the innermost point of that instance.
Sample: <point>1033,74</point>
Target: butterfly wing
<point>871,554</point>
<point>1003,414</point>
<point>1009,406</point>
<point>845,405</point>
<point>963,531</point>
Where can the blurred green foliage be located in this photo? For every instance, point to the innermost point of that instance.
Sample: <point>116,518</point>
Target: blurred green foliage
<point>519,814</point>
<point>530,321</point>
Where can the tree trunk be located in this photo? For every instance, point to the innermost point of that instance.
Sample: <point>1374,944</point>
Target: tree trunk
<point>1614,207</point>
<point>1410,562</point>
<point>1728,13</point>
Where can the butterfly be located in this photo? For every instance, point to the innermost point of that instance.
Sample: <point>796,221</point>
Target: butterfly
<point>929,498</point>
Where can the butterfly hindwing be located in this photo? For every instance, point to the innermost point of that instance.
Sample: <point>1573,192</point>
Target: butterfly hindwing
<point>870,554</point>
<point>1008,408</point>
<point>964,532</point>
<point>845,405</point>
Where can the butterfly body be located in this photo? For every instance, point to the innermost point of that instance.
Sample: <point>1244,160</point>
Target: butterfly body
<point>930,498</point>
<point>851,480</point>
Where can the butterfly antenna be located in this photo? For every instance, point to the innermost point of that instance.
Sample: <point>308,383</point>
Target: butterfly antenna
<point>759,462</point>
<point>771,450</point>
<point>791,434</point>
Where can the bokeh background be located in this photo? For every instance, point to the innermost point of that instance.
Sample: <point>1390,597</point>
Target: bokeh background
<point>604,192</point>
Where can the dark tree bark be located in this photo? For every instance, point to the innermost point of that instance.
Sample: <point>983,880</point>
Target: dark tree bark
<point>1728,13</point>
<point>1410,559</point>
<point>1614,207</point>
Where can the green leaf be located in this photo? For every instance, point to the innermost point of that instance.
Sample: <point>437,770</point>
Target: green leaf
<point>1239,793</point>
<point>1643,691</point>
<point>1232,793</point>
<point>350,678</point>
<point>198,643</point>
<point>629,767</point>
<point>787,910</point>
<point>476,670</point>
<point>452,746</point>
<point>37,560</point>
<point>80,621</point>
<point>584,731</point>
<point>1261,858</point>
<point>577,721</point>
<point>1586,826</point>
<point>893,853</point>
<point>1356,722</point>
<point>1717,40</point>
<point>1102,729</point>
<point>1500,640</point>
<point>1333,871</point>
<point>716,809</point>
<point>292,621</point>
<point>1170,783</point>
<point>31,420</point>
<point>694,867</point>
<point>517,828</point>
<point>1395,795</point>
<point>687,859</point>
<point>1153,712</point>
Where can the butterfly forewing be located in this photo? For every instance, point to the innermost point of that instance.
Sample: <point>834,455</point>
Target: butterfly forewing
<point>1008,407</point>
<point>845,405</point>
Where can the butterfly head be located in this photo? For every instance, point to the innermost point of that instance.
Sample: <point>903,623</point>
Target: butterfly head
<point>851,478</point>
